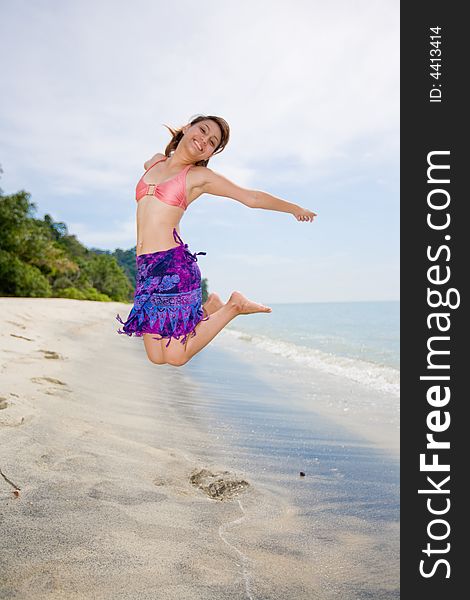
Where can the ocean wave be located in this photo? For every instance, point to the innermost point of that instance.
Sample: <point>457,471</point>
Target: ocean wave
<point>379,377</point>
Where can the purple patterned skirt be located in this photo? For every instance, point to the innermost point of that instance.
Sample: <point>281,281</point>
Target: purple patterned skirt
<point>168,295</point>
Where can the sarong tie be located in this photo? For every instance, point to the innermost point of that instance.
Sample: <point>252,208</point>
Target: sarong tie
<point>190,255</point>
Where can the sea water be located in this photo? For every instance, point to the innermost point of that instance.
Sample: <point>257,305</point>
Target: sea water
<point>355,340</point>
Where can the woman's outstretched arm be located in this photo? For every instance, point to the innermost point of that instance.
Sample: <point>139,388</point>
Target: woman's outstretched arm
<point>269,202</point>
<point>218,185</point>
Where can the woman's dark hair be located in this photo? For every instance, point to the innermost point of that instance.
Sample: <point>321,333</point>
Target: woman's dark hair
<point>178,134</point>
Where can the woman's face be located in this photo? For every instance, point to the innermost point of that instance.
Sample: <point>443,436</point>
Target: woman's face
<point>202,139</point>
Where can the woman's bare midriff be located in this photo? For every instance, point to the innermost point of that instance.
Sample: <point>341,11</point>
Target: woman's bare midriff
<point>155,223</point>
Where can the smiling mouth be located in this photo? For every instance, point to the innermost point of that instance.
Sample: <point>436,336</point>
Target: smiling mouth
<point>198,145</point>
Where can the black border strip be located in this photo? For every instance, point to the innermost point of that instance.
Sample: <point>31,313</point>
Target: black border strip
<point>428,127</point>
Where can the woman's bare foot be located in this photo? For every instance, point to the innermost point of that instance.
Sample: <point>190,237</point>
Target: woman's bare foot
<point>243,306</point>
<point>212,303</point>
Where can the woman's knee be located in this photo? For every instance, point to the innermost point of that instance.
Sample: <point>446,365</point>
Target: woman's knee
<point>177,360</point>
<point>156,360</point>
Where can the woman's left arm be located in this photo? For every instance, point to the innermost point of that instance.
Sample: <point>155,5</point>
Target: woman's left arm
<point>218,185</point>
<point>269,202</point>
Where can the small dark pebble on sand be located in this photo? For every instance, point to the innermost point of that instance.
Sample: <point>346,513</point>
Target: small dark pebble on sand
<point>302,474</point>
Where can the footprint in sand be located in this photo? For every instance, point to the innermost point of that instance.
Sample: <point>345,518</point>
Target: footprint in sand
<point>60,385</point>
<point>219,486</point>
<point>47,380</point>
<point>51,354</point>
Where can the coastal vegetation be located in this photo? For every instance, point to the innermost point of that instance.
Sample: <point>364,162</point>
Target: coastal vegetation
<point>40,258</point>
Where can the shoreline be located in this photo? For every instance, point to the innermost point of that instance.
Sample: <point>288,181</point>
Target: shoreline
<point>371,415</point>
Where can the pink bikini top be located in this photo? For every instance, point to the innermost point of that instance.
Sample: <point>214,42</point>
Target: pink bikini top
<point>172,191</point>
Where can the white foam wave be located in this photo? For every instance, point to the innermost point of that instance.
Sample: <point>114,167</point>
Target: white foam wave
<point>379,377</point>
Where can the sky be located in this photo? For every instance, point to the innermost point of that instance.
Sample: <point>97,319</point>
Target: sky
<point>310,90</point>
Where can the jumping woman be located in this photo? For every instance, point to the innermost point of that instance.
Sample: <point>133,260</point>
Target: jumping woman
<point>168,295</point>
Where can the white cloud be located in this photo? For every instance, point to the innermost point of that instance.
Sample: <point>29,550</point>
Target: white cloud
<point>91,83</point>
<point>117,236</point>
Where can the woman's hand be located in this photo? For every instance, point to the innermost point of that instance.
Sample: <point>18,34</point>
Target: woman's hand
<point>303,214</point>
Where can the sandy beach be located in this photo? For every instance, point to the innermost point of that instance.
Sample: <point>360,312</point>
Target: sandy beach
<point>119,479</point>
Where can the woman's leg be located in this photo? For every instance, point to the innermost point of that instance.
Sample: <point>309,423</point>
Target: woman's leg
<point>212,304</point>
<point>155,348</point>
<point>178,354</point>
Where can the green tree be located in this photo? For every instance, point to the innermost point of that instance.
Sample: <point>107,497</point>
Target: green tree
<point>40,258</point>
<point>126,260</point>
<point>205,289</point>
<point>57,228</point>
<point>106,276</point>
<point>15,211</point>
<point>20,279</point>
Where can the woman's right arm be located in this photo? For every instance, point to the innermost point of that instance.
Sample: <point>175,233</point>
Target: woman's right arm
<point>150,161</point>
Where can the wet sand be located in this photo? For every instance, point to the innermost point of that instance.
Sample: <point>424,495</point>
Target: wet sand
<point>121,481</point>
<point>341,537</point>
